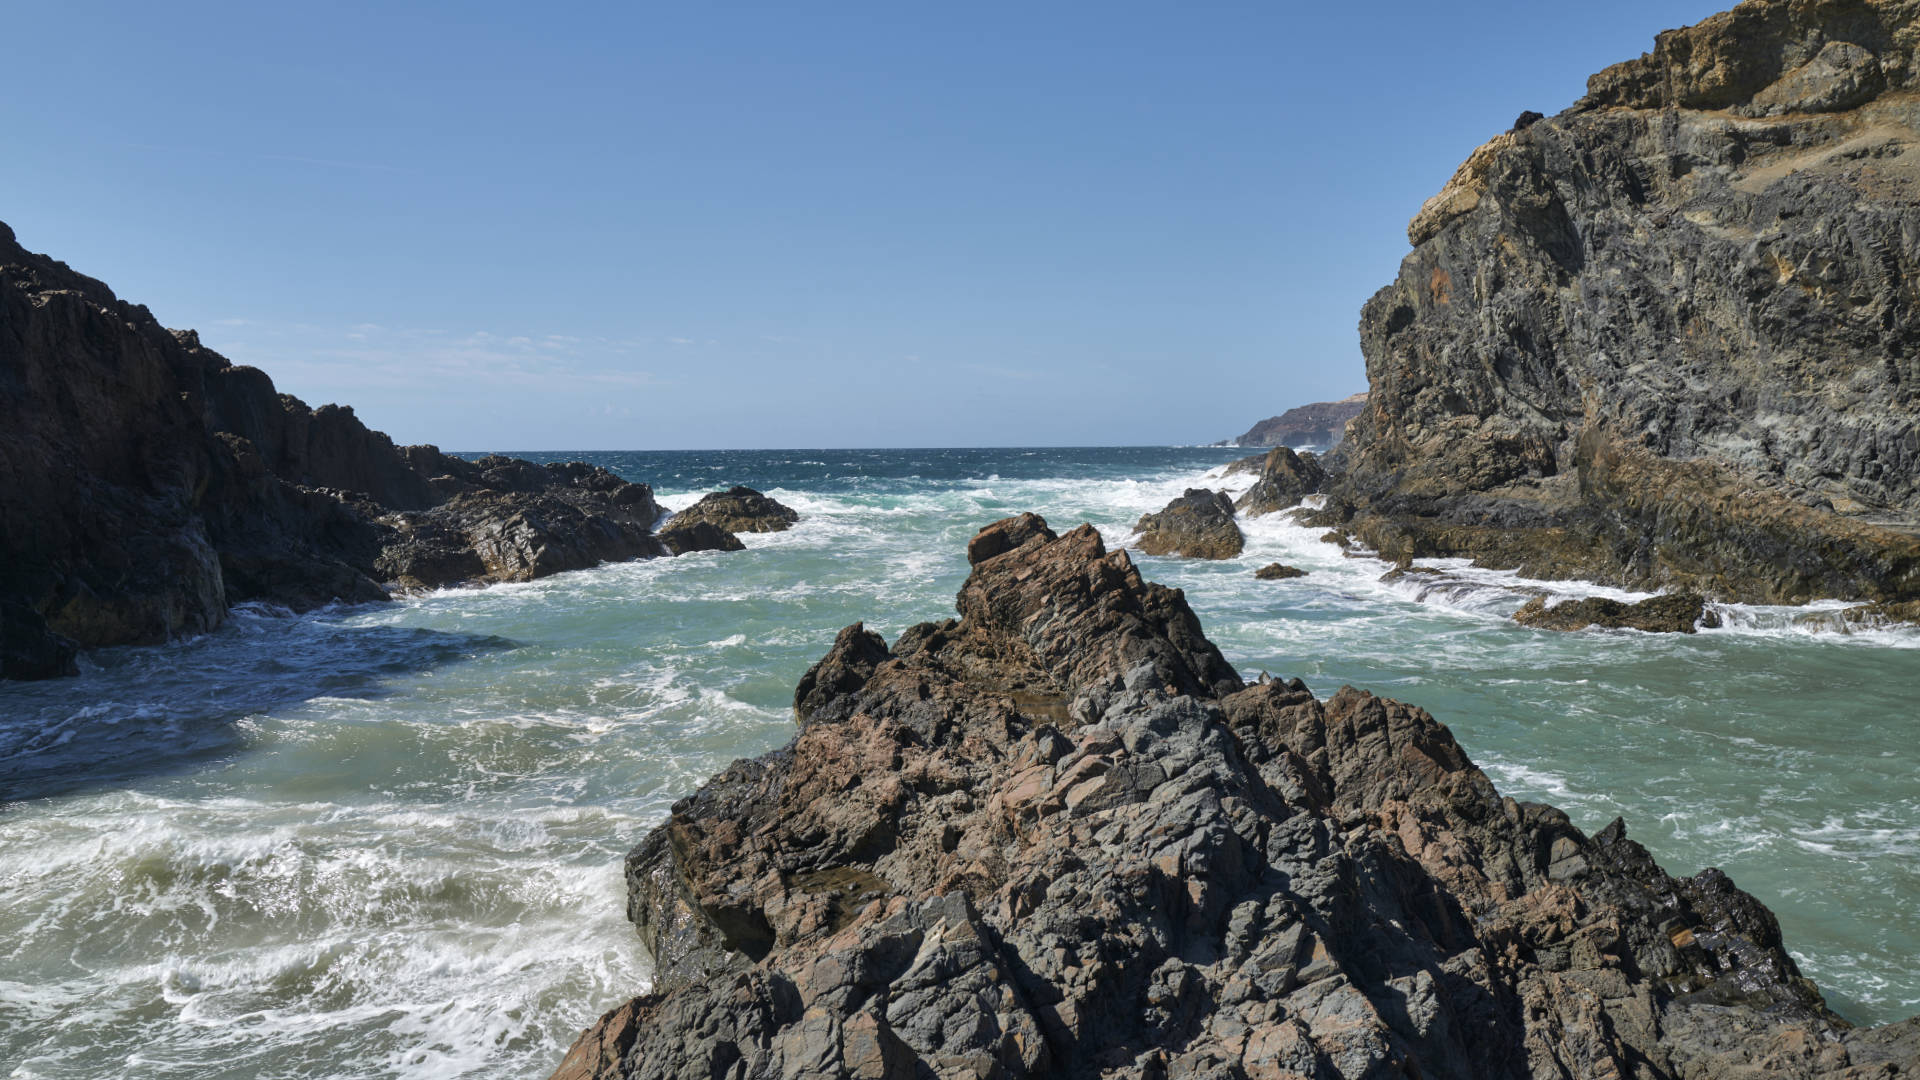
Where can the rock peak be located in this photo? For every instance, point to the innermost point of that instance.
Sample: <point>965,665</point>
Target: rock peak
<point>1057,836</point>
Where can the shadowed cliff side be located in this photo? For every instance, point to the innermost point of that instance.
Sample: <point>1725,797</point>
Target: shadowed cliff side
<point>1059,836</point>
<point>147,484</point>
<point>1668,337</point>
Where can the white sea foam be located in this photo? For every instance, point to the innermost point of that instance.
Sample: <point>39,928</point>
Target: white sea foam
<point>390,836</point>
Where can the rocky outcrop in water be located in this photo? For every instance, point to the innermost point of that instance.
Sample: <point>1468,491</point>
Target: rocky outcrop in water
<point>1278,572</point>
<point>738,510</point>
<point>147,484</point>
<point>1198,525</point>
<point>512,520</point>
<point>1285,479</point>
<point>1320,424</point>
<point>683,537</point>
<point>1059,836</point>
<point>1673,613</point>
<point>1668,337</point>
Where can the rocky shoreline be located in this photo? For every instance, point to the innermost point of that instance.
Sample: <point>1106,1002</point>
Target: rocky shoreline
<point>1664,339</point>
<point>1059,836</point>
<point>148,484</point>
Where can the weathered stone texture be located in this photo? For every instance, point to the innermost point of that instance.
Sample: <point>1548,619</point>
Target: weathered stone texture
<point>1669,337</point>
<point>1058,836</point>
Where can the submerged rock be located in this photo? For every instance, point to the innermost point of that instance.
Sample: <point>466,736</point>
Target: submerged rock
<point>1278,572</point>
<point>1285,479</point>
<point>1059,836</point>
<point>738,510</point>
<point>1198,525</point>
<point>1672,613</point>
<point>1665,339</point>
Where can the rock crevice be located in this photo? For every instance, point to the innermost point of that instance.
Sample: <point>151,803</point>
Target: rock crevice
<point>1667,338</point>
<point>1060,836</point>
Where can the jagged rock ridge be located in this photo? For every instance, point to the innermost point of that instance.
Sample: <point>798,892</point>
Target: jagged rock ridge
<point>1668,337</point>
<point>1059,836</point>
<point>147,484</point>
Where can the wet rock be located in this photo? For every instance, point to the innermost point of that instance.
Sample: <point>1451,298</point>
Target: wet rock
<point>682,537</point>
<point>1672,613</point>
<point>150,483</point>
<point>1663,339</point>
<point>1285,479</point>
<point>1278,572</point>
<point>28,650</point>
<point>1058,836</point>
<point>1198,525</point>
<point>540,520</point>
<point>1007,535</point>
<point>738,510</point>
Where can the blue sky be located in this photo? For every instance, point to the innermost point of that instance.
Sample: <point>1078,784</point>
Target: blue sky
<point>744,225</point>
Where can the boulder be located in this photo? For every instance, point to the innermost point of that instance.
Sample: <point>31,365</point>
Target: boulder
<point>1059,836</point>
<point>683,537</point>
<point>1278,572</point>
<point>542,520</point>
<point>1285,479</point>
<point>1198,525</point>
<point>740,509</point>
<point>1672,613</point>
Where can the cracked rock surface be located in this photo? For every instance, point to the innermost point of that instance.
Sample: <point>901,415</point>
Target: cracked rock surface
<point>147,484</point>
<point>1059,836</point>
<point>1669,338</point>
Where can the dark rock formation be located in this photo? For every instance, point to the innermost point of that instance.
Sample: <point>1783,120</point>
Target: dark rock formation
<point>738,510</point>
<point>147,484</point>
<point>512,520</point>
<point>1667,338</point>
<point>684,536</point>
<point>1285,479</point>
<point>1060,837</point>
<point>1198,525</point>
<point>1278,572</point>
<point>1321,424</point>
<point>1672,613</point>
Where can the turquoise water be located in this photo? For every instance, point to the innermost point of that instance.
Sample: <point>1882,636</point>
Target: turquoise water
<point>385,841</point>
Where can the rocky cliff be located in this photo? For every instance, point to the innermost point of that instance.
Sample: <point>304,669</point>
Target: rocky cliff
<point>1320,424</point>
<point>1059,836</point>
<point>1667,338</point>
<point>147,484</point>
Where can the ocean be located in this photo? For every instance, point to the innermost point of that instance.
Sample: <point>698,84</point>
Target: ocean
<point>385,841</point>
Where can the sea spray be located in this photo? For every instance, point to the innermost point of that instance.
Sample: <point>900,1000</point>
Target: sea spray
<point>386,841</point>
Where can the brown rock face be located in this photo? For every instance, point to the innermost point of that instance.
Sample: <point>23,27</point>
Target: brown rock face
<point>1665,339</point>
<point>1198,525</point>
<point>147,484</point>
<point>1674,613</point>
<point>1058,836</point>
<point>1285,479</point>
<point>738,510</point>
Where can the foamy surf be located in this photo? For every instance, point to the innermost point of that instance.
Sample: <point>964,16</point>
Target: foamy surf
<point>385,841</point>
